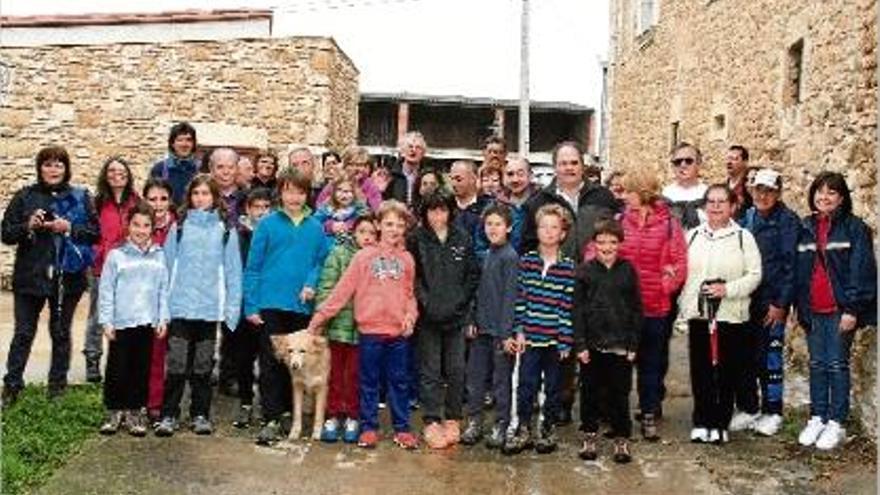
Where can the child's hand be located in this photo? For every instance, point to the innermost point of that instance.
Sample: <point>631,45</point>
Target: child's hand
<point>470,332</point>
<point>520,343</point>
<point>161,330</point>
<point>847,323</point>
<point>255,319</point>
<point>563,355</point>
<point>109,333</point>
<point>584,357</point>
<point>509,345</point>
<point>307,294</point>
<point>630,356</point>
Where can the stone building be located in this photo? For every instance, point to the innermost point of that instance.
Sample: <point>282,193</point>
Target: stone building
<point>119,94</point>
<point>792,80</point>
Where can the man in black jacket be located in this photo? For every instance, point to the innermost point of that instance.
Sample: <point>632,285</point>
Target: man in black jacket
<point>405,173</point>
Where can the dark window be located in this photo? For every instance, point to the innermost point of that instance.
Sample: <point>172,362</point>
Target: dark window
<point>795,73</point>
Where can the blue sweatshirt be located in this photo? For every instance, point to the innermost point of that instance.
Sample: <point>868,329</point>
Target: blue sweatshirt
<point>284,257</point>
<point>496,294</point>
<point>205,267</point>
<point>134,288</point>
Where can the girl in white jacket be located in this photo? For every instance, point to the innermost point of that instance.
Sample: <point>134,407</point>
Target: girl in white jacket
<point>724,267</point>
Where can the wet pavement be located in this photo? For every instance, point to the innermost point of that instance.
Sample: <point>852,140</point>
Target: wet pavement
<point>229,462</point>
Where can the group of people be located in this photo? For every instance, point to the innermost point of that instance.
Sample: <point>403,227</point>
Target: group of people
<point>461,291</point>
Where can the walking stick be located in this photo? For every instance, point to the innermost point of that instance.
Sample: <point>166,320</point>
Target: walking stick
<point>714,353</point>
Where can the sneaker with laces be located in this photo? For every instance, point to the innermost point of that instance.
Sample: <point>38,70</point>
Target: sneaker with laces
<point>269,433</point>
<point>743,421</point>
<point>811,432</point>
<point>201,425</point>
<point>166,427</point>
<point>621,451</point>
<point>452,432</point>
<point>496,438</point>
<point>330,431</point>
<point>368,439</point>
<point>434,435</point>
<point>137,423</point>
<point>520,440</point>
<point>111,423</point>
<point>768,425</point>
<point>472,432</point>
<point>589,450</point>
<point>833,435</point>
<point>351,430</point>
<point>406,440</point>
<point>243,418</point>
<point>700,435</point>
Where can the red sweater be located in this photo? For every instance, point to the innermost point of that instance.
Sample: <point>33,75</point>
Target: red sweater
<point>381,279</point>
<point>113,219</point>
<point>821,293</point>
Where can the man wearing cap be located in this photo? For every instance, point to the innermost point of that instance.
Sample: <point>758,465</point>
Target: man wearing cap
<point>775,228</point>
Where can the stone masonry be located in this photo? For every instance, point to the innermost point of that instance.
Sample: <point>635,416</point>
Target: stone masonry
<point>103,100</point>
<point>792,80</point>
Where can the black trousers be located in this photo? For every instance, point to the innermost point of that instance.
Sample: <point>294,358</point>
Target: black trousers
<point>606,381</point>
<point>276,396</point>
<point>190,358</point>
<point>228,365</point>
<point>441,371</point>
<point>27,310</point>
<point>128,368</point>
<point>246,348</point>
<point>749,354</point>
<point>714,387</point>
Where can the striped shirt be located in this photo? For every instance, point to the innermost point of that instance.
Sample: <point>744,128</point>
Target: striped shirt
<point>544,301</point>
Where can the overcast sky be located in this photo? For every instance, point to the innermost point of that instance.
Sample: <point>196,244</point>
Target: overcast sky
<point>440,47</point>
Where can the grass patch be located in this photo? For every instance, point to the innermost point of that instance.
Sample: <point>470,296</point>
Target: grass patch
<point>39,435</point>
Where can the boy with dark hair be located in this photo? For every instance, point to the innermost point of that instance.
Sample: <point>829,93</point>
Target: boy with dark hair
<point>607,324</point>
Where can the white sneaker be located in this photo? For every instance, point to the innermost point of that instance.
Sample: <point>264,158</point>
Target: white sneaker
<point>832,436</point>
<point>700,435</point>
<point>811,432</point>
<point>718,436</point>
<point>768,425</point>
<point>743,421</point>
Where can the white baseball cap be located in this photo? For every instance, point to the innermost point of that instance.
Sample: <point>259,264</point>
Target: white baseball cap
<point>766,177</point>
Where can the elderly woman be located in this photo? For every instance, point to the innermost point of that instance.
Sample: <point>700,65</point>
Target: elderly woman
<point>724,267</point>
<point>53,226</point>
<point>836,292</point>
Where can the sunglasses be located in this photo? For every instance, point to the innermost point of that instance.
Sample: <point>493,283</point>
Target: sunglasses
<point>683,161</point>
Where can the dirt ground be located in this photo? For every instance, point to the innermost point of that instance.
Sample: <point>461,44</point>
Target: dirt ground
<point>230,463</point>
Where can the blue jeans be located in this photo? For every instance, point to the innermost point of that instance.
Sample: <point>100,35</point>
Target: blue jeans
<point>384,358</point>
<point>652,363</point>
<point>829,368</point>
<point>533,362</point>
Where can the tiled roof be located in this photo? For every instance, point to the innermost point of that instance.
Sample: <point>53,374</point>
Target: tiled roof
<point>181,16</point>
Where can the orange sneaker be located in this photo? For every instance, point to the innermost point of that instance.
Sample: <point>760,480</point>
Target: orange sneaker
<point>369,439</point>
<point>452,432</point>
<point>406,440</point>
<point>435,436</point>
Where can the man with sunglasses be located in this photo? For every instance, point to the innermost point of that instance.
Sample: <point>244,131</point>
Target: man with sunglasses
<point>685,194</point>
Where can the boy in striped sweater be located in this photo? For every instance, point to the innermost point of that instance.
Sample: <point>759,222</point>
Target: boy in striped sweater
<point>543,327</point>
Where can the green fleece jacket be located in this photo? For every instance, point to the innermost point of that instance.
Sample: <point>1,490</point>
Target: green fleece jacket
<point>342,327</point>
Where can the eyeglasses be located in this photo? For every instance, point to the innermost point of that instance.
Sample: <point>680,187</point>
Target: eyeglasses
<point>683,161</point>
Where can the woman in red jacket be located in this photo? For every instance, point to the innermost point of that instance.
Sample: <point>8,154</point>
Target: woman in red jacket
<point>654,243</point>
<point>114,198</point>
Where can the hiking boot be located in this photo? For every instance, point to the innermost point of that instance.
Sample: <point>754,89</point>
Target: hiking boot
<point>496,438</point>
<point>547,441</point>
<point>406,440</point>
<point>621,451</point>
<point>93,369</point>
<point>435,437</point>
<point>589,451</point>
<point>111,423</point>
<point>330,431</point>
<point>243,418</point>
<point>368,439</point>
<point>136,421</point>
<point>10,396</point>
<point>269,433</point>
<point>201,425</point>
<point>351,430</point>
<point>472,432</point>
<point>167,426</point>
<point>649,428</point>
<point>55,391</point>
<point>452,432</point>
<point>519,441</point>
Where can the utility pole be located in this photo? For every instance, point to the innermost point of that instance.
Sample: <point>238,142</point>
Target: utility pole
<point>524,82</point>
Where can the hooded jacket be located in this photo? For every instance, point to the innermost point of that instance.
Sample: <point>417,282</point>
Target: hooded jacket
<point>134,288</point>
<point>37,252</point>
<point>341,328</point>
<point>447,275</point>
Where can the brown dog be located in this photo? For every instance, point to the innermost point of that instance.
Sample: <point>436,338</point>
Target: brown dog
<point>308,358</point>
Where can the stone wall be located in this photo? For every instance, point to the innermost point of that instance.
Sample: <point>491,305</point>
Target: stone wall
<point>722,69</point>
<point>100,100</point>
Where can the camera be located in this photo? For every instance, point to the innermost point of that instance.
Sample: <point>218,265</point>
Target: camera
<point>708,304</point>
<point>48,216</point>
